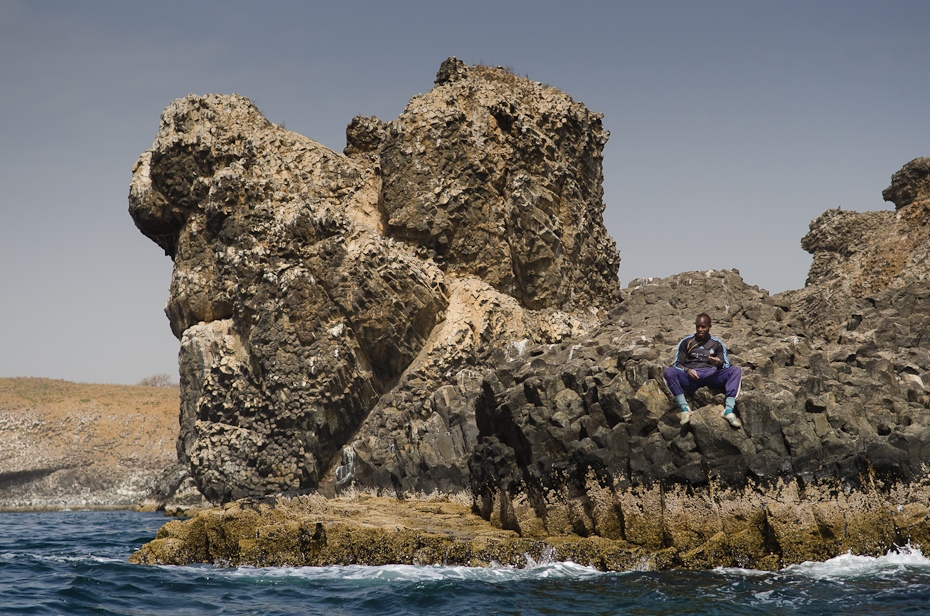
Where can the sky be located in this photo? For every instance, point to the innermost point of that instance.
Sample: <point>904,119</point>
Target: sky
<point>733,125</point>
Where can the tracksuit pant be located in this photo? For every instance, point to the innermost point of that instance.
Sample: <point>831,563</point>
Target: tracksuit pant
<point>726,379</point>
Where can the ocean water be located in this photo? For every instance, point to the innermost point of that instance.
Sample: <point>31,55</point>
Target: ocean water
<point>75,563</point>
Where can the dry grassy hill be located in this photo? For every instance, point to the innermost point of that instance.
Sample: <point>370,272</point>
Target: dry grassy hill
<point>72,445</point>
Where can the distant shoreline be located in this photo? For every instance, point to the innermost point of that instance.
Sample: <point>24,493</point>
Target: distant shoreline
<point>52,509</point>
<point>66,445</point>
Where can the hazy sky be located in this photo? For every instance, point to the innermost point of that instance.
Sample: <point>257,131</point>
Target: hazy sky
<point>733,121</point>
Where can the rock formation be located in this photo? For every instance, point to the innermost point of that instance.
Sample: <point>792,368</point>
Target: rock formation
<point>858,254</point>
<point>310,286</point>
<point>835,385</point>
<point>596,408</point>
<point>437,310</point>
<point>655,529</point>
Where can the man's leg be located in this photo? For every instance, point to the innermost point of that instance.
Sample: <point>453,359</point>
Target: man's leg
<point>729,380</point>
<point>678,382</point>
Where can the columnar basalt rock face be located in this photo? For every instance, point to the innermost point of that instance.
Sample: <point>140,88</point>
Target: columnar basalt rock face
<point>835,390</point>
<point>421,435</point>
<point>310,286</point>
<point>437,310</point>
<point>294,317</point>
<point>593,415</point>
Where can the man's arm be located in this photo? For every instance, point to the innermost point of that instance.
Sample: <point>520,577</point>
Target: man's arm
<point>723,353</point>
<point>679,355</point>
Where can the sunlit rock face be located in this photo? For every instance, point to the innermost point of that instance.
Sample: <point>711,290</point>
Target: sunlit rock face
<point>311,287</point>
<point>500,177</point>
<point>858,254</point>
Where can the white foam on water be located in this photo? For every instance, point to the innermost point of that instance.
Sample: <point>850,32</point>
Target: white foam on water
<point>413,573</point>
<point>88,558</point>
<point>546,568</point>
<point>853,566</point>
<point>847,565</point>
<point>12,557</point>
<point>838,568</point>
<point>741,572</point>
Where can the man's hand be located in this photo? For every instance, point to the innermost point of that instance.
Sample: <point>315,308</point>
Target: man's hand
<point>692,374</point>
<point>717,361</point>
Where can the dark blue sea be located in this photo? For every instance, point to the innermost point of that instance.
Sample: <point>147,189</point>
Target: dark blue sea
<point>75,563</point>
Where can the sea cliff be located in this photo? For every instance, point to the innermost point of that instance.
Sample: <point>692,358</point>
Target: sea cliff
<point>436,311</point>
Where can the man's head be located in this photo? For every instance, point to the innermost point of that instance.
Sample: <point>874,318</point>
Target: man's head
<point>702,327</point>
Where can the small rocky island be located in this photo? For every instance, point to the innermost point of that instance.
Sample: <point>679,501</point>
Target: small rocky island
<point>418,351</point>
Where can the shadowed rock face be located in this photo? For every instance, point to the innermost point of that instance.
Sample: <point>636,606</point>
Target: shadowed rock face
<point>835,385</point>
<point>594,410</point>
<point>310,285</point>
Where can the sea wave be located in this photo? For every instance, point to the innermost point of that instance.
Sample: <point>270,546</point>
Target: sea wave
<point>78,564</point>
<point>896,561</point>
<point>848,565</point>
<point>566,570</point>
<point>905,558</point>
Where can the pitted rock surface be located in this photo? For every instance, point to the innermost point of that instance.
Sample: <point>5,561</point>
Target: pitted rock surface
<point>497,176</point>
<point>909,184</point>
<point>858,254</point>
<point>311,287</point>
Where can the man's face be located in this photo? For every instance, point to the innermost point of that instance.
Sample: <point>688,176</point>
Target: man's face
<point>702,329</point>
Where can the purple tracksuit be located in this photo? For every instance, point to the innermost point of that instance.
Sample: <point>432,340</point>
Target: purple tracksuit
<point>692,354</point>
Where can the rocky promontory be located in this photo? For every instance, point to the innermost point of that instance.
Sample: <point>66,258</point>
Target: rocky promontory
<point>436,311</point>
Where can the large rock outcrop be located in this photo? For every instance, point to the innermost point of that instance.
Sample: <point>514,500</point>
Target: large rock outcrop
<point>499,177</point>
<point>594,412</point>
<point>437,310</point>
<point>835,388</point>
<point>310,285</point>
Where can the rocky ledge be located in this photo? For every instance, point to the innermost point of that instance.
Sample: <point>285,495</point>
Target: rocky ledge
<point>653,529</point>
<point>436,311</point>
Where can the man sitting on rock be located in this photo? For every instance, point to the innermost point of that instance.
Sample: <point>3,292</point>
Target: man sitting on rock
<point>701,360</point>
